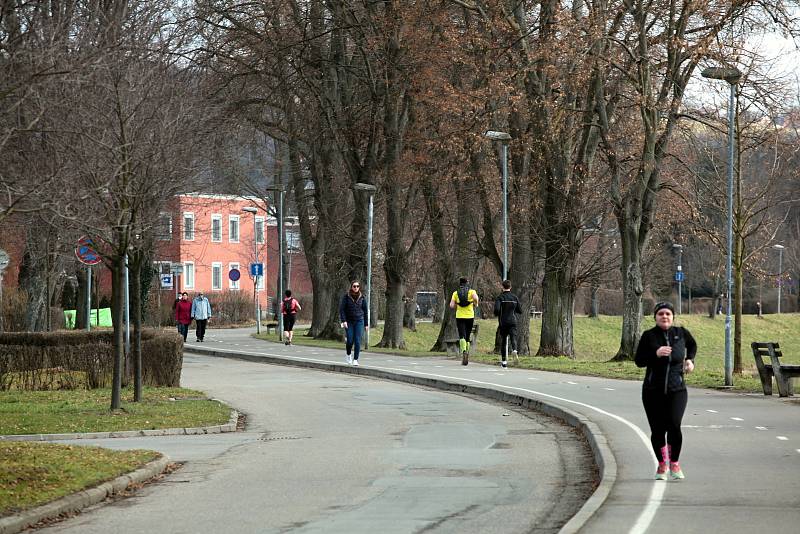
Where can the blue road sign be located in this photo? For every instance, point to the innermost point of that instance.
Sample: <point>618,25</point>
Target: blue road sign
<point>679,276</point>
<point>234,274</point>
<point>256,269</point>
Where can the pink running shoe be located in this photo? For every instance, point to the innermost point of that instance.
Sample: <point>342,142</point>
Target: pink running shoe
<point>661,472</point>
<point>675,471</point>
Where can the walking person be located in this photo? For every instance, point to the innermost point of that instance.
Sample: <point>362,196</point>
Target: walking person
<point>667,351</point>
<point>506,309</point>
<point>289,309</point>
<point>201,313</point>
<point>183,315</point>
<point>464,301</point>
<point>352,314</point>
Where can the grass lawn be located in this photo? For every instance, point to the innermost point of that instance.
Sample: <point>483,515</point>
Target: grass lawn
<point>597,340</point>
<point>65,411</point>
<point>32,474</point>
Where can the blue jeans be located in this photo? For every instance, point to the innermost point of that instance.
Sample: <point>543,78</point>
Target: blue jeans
<point>353,334</point>
<point>183,329</point>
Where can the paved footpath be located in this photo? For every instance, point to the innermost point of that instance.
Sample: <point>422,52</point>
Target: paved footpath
<point>741,452</point>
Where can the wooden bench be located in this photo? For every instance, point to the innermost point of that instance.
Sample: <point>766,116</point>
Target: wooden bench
<point>782,372</point>
<point>536,314</point>
<point>452,343</point>
<point>272,326</point>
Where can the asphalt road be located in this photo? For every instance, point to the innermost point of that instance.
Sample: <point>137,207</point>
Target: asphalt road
<point>327,452</point>
<point>741,451</point>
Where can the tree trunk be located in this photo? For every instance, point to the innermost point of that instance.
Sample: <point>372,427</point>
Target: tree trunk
<point>80,298</point>
<point>136,320</point>
<point>410,314</point>
<point>632,290</point>
<point>394,267</point>
<point>558,300</point>
<point>117,305</point>
<point>32,281</point>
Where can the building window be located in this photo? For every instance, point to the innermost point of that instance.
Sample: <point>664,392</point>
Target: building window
<point>216,276</point>
<point>188,275</point>
<point>188,226</point>
<point>233,228</point>
<point>216,228</point>
<point>260,230</point>
<point>293,240</point>
<point>233,284</point>
<point>164,228</point>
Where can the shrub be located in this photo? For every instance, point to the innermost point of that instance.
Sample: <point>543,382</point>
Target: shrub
<point>74,359</point>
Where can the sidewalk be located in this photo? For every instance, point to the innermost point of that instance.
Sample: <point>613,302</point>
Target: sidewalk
<point>741,451</point>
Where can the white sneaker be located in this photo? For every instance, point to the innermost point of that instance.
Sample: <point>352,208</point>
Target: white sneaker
<point>355,362</point>
<point>349,359</point>
<point>504,364</point>
<point>514,353</point>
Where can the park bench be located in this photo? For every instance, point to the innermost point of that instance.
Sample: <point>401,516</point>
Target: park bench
<point>536,314</point>
<point>452,343</point>
<point>782,372</point>
<point>273,327</point>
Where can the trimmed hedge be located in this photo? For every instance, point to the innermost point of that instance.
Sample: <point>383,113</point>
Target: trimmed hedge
<point>79,359</point>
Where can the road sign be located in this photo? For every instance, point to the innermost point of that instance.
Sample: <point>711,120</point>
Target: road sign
<point>4,259</point>
<point>234,274</point>
<point>166,281</point>
<point>86,253</point>
<point>176,268</point>
<point>679,276</point>
<point>256,269</point>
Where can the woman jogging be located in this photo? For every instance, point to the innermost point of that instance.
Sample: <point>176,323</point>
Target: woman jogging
<point>667,351</point>
<point>289,309</point>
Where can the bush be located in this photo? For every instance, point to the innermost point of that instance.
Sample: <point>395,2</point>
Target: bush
<point>79,359</point>
<point>231,307</point>
<point>15,302</point>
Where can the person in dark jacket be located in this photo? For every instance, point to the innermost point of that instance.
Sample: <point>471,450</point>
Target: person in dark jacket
<point>506,309</point>
<point>353,315</point>
<point>667,352</point>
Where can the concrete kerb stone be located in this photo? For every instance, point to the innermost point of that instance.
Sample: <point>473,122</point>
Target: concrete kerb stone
<point>82,499</point>
<point>601,450</point>
<point>230,426</point>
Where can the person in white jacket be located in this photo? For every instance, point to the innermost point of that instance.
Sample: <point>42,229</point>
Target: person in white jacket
<point>201,313</point>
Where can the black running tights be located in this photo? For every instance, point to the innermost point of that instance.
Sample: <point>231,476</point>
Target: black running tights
<point>664,413</point>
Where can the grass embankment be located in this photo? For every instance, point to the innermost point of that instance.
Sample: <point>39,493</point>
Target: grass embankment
<point>66,411</point>
<point>32,474</point>
<point>597,340</point>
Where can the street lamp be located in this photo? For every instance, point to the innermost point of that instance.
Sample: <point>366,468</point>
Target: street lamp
<point>679,275</point>
<point>779,248</point>
<point>732,76</point>
<point>504,138</point>
<point>370,189</point>
<point>250,209</point>
<point>280,189</point>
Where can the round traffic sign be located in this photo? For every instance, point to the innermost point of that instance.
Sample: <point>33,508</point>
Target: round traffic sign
<point>4,259</point>
<point>234,274</point>
<point>86,253</point>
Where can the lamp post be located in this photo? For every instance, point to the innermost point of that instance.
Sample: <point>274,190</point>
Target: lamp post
<point>280,190</point>
<point>779,248</point>
<point>504,138</point>
<point>732,76</point>
<point>251,209</point>
<point>369,188</point>
<point>679,275</point>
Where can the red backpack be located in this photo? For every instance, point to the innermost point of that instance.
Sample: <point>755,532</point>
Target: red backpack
<point>289,305</point>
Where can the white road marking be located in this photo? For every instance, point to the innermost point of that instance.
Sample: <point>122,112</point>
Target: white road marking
<point>737,419</point>
<point>609,389</point>
<point>798,450</point>
<point>657,490</point>
<point>712,411</point>
<point>532,378</point>
<point>783,438</point>
<point>573,383</point>
<point>761,428</point>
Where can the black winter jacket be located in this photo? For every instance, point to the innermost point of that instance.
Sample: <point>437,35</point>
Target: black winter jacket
<point>665,374</point>
<point>352,310</point>
<point>506,307</point>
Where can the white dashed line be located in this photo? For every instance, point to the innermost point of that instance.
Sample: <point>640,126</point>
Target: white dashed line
<point>798,450</point>
<point>737,419</point>
<point>712,411</point>
<point>783,438</point>
<point>532,378</point>
<point>609,389</point>
<point>761,428</point>
<point>573,383</point>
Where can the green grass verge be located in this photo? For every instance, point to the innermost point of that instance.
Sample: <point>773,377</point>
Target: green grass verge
<point>597,340</point>
<point>65,411</point>
<point>32,474</point>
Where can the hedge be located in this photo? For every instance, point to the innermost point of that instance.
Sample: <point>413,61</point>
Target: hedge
<point>80,359</point>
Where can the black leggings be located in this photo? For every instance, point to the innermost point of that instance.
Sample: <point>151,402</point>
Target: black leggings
<point>664,413</point>
<point>464,328</point>
<point>508,334</point>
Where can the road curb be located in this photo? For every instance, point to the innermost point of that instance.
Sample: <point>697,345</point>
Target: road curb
<point>81,499</point>
<point>601,450</point>
<point>230,426</point>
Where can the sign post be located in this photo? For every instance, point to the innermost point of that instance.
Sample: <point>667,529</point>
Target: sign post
<point>4,261</point>
<point>86,254</point>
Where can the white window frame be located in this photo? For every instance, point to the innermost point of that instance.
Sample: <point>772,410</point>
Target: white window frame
<point>188,267</point>
<point>189,215</point>
<point>168,235</point>
<point>216,266</point>
<point>233,284</point>
<point>231,219</point>
<point>260,235</point>
<point>216,217</point>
